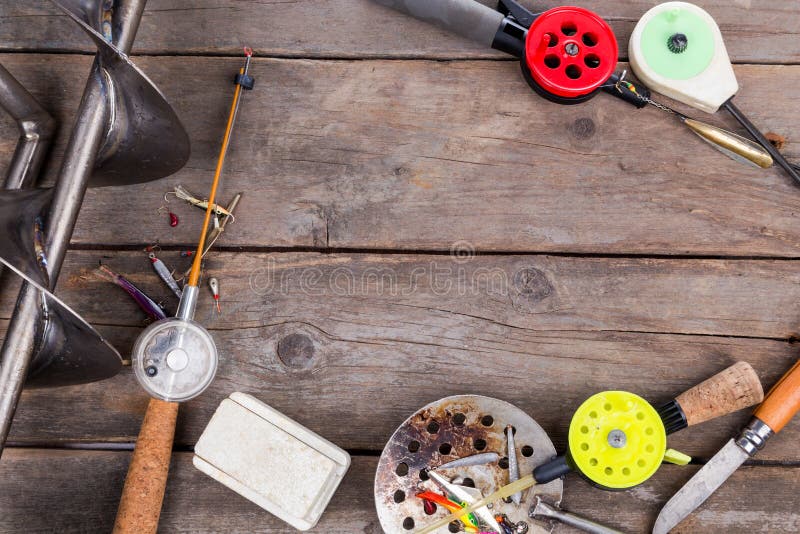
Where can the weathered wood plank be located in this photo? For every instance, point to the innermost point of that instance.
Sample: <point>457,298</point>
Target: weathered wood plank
<point>743,298</point>
<point>539,331</point>
<point>755,31</point>
<point>351,154</point>
<point>755,499</point>
<point>332,363</point>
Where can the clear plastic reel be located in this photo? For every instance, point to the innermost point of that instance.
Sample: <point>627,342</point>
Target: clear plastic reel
<point>175,359</point>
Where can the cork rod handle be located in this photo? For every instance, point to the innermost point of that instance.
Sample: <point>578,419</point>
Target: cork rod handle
<point>733,389</point>
<point>143,494</point>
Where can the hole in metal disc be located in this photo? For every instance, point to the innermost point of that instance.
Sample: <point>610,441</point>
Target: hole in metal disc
<point>408,523</point>
<point>423,474</point>
<point>527,451</point>
<point>459,418</point>
<point>454,527</point>
<point>445,448</point>
<point>487,420</point>
<point>402,469</point>
<point>413,446</point>
<point>503,463</point>
<point>468,482</point>
<point>480,444</point>
<point>399,496</point>
<point>433,427</point>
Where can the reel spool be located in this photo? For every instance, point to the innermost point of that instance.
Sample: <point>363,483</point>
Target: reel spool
<point>569,53</point>
<point>677,50</point>
<point>617,440</point>
<point>175,359</point>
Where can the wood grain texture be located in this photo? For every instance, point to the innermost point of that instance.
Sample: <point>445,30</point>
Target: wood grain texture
<point>347,332</point>
<point>529,293</point>
<point>754,30</point>
<point>754,500</point>
<point>351,154</point>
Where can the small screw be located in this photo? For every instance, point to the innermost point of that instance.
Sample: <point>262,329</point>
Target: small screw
<point>151,370</point>
<point>572,49</point>
<point>617,439</point>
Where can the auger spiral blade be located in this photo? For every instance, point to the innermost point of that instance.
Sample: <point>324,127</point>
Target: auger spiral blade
<point>68,350</point>
<point>144,138</point>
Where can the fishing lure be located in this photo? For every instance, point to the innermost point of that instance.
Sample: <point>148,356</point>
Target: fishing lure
<point>148,305</point>
<point>732,145</point>
<point>173,220</point>
<point>213,283</point>
<point>216,232</point>
<point>470,523</point>
<point>513,465</point>
<point>183,194</point>
<point>164,273</point>
<point>468,461</point>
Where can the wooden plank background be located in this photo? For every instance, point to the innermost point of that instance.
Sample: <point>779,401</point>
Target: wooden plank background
<point>413,228</point>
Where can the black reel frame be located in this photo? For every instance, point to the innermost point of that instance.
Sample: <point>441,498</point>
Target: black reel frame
<point>510,38</point>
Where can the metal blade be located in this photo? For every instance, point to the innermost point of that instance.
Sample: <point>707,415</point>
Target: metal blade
<point>68,350</point>
<point>22,216</point>
<point>700,487</point>
<point>144,138</point>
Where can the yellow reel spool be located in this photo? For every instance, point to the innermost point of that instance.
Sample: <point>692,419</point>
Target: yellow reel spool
<point>617,439</point>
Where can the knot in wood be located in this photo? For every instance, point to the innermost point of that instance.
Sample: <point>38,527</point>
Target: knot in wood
<point>583,128</point>
<point>296,351</point>
<point>532,284</point>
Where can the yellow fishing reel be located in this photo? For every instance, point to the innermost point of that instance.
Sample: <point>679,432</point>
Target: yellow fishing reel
<point>617,440</point>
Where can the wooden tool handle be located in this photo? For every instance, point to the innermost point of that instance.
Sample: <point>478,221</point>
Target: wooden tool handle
<point>733,389</point>
<point>142,496</point>
<point>783,400</point>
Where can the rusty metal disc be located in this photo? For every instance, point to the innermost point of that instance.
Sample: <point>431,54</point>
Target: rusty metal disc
<point>452,428</point>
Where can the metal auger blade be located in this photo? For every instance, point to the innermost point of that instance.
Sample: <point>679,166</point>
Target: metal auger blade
<point>144,138</point>
<point>67,349</point>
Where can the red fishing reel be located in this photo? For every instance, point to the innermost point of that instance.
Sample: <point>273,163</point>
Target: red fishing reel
<point>569,53</point>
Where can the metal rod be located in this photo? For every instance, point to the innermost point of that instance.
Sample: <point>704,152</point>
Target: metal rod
<point>76,169</point>
<point>542,509</point>
<point>763,141</point>
<point>36,130</point>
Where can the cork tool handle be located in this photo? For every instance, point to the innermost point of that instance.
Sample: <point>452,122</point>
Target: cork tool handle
<point>142,496</point>
<point>783,401</point>
<point>733,389</point>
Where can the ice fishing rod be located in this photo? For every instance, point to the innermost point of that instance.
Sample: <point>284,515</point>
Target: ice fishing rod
<point>174,360</point>
<point>567,55</point>
<point>678,50</point>
<point>618,440</point>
